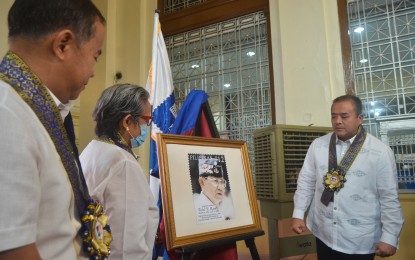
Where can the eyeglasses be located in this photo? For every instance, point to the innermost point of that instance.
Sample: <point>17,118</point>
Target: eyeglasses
<point>217,182</point>
<point>149,119</point>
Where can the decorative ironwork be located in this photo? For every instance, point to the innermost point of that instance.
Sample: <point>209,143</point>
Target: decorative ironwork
<point>171,6</point>
<point>382,34</point>
<point>228,60</point>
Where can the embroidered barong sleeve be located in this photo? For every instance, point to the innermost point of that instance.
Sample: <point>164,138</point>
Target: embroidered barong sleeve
<point>306,184</point>
<point>391,214</point>
<point>36,203</point>
<point>20,189</point>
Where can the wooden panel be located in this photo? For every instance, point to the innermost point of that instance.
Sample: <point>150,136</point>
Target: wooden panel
<point>346,47</point>
<point>207,13</point>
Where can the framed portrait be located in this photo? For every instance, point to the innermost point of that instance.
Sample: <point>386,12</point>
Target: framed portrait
<point>207,189</point>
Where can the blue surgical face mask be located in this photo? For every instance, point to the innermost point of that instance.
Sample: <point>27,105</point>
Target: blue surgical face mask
<point>139,140</point>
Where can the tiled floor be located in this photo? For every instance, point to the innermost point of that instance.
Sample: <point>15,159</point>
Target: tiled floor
<point>245,256</point>
<point>301,257</point>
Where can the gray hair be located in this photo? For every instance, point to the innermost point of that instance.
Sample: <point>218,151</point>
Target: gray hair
<point>114,104</point>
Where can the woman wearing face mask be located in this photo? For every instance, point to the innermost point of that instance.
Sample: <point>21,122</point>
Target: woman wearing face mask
<point>113,174</point>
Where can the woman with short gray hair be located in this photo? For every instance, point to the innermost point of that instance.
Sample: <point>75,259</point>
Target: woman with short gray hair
<point>113,174</point>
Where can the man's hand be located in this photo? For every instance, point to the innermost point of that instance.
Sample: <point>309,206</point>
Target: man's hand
<point>298,225</point>
<point>385,250</point>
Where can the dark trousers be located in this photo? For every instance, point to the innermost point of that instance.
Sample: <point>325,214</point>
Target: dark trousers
<point>326,253</point>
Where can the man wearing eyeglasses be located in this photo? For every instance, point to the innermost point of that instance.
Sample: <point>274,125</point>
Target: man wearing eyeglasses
<point>214,203</point>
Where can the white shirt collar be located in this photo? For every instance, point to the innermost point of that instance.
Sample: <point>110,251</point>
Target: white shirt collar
<point>350,141</point>
<point>64,109</point>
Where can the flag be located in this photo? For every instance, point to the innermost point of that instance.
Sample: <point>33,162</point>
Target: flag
<point>160,86</point>
<point>195,118</point>
<point>188,115</point>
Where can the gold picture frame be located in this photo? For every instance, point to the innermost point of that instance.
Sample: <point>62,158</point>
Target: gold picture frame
<point>181,161</point>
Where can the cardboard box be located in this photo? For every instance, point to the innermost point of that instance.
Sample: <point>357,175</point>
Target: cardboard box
<point>293,244</point>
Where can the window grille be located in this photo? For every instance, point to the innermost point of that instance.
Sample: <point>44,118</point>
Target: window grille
<point>383,56</point>
<point>382,34</point>
<point>171,6</point>
<point>229,61</point>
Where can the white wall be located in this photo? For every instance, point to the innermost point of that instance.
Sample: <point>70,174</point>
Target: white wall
<point>4,10</point>
<point>307,60</point>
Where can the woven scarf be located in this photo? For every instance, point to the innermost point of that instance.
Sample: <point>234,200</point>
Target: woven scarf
<point>335,178</point>
<point>29,87</point>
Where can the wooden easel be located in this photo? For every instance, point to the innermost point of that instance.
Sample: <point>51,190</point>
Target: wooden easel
<point>189,252</point>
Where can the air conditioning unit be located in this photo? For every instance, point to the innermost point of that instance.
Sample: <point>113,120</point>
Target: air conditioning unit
<point>279,155</point>
<point>280,151</point>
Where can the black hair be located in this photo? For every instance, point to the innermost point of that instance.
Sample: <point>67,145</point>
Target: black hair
<point>355,100</point>
<point>35,19</point>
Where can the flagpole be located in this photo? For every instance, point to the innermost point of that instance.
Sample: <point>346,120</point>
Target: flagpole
<point>154,57</point>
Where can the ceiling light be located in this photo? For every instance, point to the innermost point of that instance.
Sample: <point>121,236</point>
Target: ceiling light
<point>227,85</point>
<point>363,60</point>
<point>359,29</point>
<point>194,66</point>
<point>250,53</point>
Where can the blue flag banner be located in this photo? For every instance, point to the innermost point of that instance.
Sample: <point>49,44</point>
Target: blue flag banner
<point>189,113</point>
